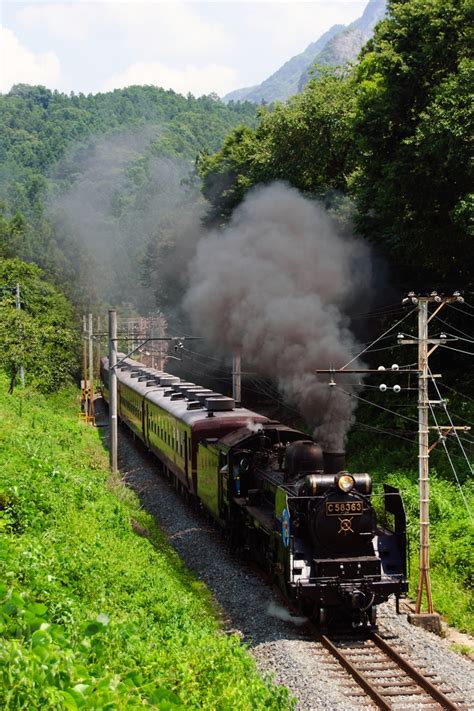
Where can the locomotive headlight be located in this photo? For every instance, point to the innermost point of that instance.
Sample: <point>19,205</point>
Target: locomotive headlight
<point>346,483</point>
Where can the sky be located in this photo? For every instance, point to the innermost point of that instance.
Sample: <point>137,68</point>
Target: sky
<point>197,47</point>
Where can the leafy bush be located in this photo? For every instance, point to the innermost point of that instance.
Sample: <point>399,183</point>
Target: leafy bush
<point>40,336</point>
<point>92,615</point>
<point>451,529</point>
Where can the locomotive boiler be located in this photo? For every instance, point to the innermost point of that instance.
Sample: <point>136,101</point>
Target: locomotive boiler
<point>308,522</point>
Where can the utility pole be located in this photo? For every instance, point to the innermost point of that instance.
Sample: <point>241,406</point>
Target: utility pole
<point>424,341</point>
<point>91,368</point>
<point>97,347</point>
<point>423,458</point>
<point>113,389</point>
<point>85,396</point>
<point>18,306</point>
<point>237,377</point>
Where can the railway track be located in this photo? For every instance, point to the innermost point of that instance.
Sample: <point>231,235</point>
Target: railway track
<point>390,681</point>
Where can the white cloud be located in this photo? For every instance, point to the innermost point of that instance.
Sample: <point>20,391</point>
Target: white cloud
<point>152,29</point>
<point>169,27</point>
<point>198,80</point>
<point>20,65</point>
<point>291,26</point>
<point>69,20</point>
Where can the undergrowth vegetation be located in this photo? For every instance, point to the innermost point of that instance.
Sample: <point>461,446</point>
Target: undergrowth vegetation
<point>92,615</point>
<point>451,529</point>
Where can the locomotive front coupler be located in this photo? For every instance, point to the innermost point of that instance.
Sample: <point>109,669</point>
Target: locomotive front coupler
<point>356,597</point>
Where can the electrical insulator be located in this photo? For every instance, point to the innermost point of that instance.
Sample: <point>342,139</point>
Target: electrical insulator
<point>382,387</point>
<point>395,367</point>
<point>381,367</point>
<point>396,388</point>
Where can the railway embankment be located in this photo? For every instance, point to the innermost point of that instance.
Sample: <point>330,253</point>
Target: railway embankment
<point>93,615</point>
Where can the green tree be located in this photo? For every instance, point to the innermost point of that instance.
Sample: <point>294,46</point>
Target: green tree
<point>50,151</point>
<point>413,131</point>
<point>307,142</point>
<point>40,336</point>
<point>12,232</point>
<point>228,174</point>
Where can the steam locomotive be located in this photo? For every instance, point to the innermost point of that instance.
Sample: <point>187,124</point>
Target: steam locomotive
<point>309,523</point>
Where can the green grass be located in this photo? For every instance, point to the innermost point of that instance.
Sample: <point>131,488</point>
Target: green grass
<point>451,530</point>
<point>92,615</point>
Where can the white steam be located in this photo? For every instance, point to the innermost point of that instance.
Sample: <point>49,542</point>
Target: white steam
<point>274,610</point>
<point>254,427</point>
<point>276,284</point>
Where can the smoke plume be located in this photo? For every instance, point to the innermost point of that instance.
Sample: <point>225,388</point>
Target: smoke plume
<point>126,209</point>
<point>277,284</point>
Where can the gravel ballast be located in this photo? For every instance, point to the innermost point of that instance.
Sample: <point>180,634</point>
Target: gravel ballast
<point>281,644</point>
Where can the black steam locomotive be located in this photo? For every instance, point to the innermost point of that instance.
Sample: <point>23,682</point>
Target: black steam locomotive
<point>308,522</point>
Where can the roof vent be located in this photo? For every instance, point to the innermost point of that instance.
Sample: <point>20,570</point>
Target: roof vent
<point>194,405</point>
<point>168,380</point>
<point>179,387</point>
<point>149,383</point>
<point>203,394</point>
<point>219,404</point>
<point>168,393</point>
<point>177,396</point>
<point>192,392</point>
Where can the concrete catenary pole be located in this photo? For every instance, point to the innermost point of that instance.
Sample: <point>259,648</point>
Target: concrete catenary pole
<point>423,457</point>
<point>97,347</point>
<point>113,389</point>
<point>426,346</point>
<point>237,377</point>
<point>84,366</point>
<point>18,306</point>
<point>91,366</point>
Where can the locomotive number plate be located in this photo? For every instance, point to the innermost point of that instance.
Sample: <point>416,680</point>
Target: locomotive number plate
<point>338,508</point>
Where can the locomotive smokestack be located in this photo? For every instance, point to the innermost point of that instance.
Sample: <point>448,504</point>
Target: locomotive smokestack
<point>334,462</point>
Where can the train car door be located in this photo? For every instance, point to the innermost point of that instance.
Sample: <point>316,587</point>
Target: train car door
<point>186,466</point>
<point>223,484</point>
<point>146,422</point>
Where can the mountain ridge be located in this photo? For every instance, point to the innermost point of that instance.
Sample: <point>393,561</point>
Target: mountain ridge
<point>340,44</point>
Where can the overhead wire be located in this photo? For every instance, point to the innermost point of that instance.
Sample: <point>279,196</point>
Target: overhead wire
<point>455,328</point>
<point>458,350</point>
<point>443,442</point>
<point>379,338</point>
<point>456,308</point>
<point>450,421</point>
<point>379,430</point>
<point>374,404</point>
<point>456,392</point>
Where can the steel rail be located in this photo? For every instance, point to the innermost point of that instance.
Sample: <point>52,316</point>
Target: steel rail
<point>383,700</point>
<point>421,680</point>
<point>356,674</point>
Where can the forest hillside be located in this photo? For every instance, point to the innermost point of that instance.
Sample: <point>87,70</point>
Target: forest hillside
<point>87,181</point>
